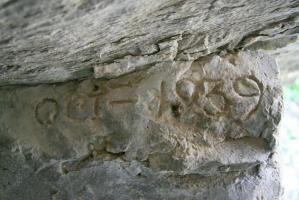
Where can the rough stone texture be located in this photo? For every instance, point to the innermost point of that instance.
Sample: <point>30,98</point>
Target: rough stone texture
<point>179,130</point>
<point>161,99</point>
<point>59,40</point>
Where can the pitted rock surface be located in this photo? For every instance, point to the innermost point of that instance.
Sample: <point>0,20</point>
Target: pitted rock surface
<point>178,130</point>
<point>139,99</point>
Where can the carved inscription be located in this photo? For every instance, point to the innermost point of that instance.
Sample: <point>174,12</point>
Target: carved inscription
<point>46,111</point>
<point>209,96</point>
<point>249,87</point>
<point>188,107</point>
<point>80,107</point>
<point>123,101</point>
<point>215,104</point>
<point>213,98</point>
<point>246,87</point>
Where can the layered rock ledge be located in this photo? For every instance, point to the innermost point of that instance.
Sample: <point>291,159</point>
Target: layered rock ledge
<point>141,99</point>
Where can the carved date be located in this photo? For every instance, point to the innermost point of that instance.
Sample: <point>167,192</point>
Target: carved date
<point>209,96</point>
<point>46,111</point>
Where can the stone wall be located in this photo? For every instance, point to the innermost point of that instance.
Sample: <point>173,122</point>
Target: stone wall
<point>141,99</point>
<point>195,130</point>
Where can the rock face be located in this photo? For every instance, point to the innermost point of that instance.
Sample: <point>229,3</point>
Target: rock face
<point>129,99</point>
<point>179,130</point>
<point>54,41</point>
